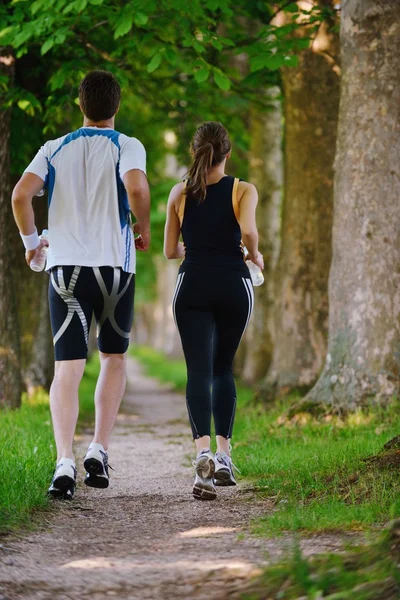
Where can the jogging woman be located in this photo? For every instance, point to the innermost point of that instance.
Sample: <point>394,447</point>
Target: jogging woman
<point>213,299</point>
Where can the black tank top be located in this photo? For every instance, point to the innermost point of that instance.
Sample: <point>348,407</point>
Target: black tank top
<point>210,231</point>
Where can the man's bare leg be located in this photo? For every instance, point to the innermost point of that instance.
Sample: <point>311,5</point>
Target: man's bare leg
<point>64,404</point>
<point>110,389</point>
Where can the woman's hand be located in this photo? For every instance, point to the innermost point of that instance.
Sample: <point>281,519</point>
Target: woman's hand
<point>257,259</point>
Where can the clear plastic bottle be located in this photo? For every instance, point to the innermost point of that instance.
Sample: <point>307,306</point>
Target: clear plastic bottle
<point>256,274</point>
<point>39,261</point>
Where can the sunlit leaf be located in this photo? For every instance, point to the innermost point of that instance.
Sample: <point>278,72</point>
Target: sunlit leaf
<point>123,28</point>
<point>154,63</point>
<point>80,5</point>
<point>222,81</point>
<point>202,74</point>
<point>140,19</point>
<point>47,46</point>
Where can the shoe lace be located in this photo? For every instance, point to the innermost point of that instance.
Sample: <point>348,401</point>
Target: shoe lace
<point>227,461</point>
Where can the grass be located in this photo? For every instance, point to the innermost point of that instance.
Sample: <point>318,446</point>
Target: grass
<point>28,452</point>
<point>313,471</point>
<point>368,572</point>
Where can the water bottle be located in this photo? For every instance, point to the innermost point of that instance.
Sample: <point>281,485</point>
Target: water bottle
<point>256,274</point>
<point>38,263</point>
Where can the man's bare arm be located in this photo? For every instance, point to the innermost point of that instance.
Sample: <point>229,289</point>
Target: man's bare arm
<point>138,191</point>
<point>28,186</point>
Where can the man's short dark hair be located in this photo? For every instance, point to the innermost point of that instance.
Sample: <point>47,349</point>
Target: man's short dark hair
<point>99,95</point>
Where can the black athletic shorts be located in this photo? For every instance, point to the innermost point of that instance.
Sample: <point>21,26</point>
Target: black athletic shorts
<point>75,293</point>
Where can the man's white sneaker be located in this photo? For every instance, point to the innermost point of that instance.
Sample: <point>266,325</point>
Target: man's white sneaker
<point>96,466</point>
<point>204,488</point>
<point>64,480</point>
<point>224,470</point>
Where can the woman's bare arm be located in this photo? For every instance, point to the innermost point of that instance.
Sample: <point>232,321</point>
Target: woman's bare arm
<point>248,199</point>
<point>173,248</point>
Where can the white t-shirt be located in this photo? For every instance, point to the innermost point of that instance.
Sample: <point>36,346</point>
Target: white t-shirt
<point>89,218</point>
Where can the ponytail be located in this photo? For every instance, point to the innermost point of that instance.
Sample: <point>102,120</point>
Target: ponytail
<point>209,147</point>
<point>202,162</point>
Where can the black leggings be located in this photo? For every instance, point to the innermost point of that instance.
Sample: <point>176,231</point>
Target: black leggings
<point>212,307</point>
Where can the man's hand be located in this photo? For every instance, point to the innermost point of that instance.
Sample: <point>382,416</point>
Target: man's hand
<point>142,242</point>
<point>30,254</point>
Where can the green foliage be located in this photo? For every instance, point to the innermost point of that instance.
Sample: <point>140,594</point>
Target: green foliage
<point>28,452</point>
<point>313,472</point>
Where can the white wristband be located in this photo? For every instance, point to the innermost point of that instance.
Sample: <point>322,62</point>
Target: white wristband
<point>31,242</point>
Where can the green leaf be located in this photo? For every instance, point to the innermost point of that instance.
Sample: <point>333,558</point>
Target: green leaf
<point>292,8</point>
<point>6,31</point>
<point>198,47</point>
<point>96,2</point>
<point>123,28</point>
<point>227,41</point>
<point>80,5</point>
<point>140,19</point>
<point>202,74</point>
<point>36,6</point>
<point>47,46</point>
<point>21,38</point>
<point>222,81</point>
<point>154,63</point>
<point>171,56</point>
<point>217,44</point>
<point>274,61</point>
<point>26,106</point>
<point>291,61</point>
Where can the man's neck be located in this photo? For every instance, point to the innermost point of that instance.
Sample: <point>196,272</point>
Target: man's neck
<point>100,124</point>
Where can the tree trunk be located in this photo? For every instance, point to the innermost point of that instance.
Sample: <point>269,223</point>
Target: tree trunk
<point>166,334</point>
<point>363,360</point>
<point>40,370</point>
<point>10,375</point>
<point>311,92</point>
<point>266,173</point>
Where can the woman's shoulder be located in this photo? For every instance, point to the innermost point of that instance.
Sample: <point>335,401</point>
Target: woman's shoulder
<point>176,192</point>
<point>244,187</point>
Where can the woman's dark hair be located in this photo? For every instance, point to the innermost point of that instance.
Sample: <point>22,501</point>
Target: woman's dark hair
<point>209,146</point>
<point>99,95</point>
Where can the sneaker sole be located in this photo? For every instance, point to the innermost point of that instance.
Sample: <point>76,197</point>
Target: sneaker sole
<point>223,478</point>
<point>63,488</point>
<point>202,493</point>
<point>205,469</point>
<point>95,469</point>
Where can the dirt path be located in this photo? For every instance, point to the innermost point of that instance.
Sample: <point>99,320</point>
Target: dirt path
<point>145,537</point>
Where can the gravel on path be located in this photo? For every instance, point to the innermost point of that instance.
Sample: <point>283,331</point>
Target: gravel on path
<point>145,537</point>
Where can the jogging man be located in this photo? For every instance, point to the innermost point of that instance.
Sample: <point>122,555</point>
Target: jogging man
<point>95,178</point>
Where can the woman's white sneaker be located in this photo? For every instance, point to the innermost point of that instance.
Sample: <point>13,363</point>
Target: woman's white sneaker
<point>64,480</point>
<point>204,488</point>
<point>96,466</point>
<point>224,470</point>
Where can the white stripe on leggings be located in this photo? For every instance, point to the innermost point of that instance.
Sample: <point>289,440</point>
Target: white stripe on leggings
<point>178,286</point>
<point>250,294</point>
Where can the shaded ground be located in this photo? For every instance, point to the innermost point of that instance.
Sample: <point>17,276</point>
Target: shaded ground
<point>145,537</point>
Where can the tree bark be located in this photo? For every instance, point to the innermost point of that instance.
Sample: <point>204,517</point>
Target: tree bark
<point>363,360</point>
<point>311,92</point>
<point>10,374</point>
<point>40,371</point>
<point>266,173</point>
<point>166,337</point>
